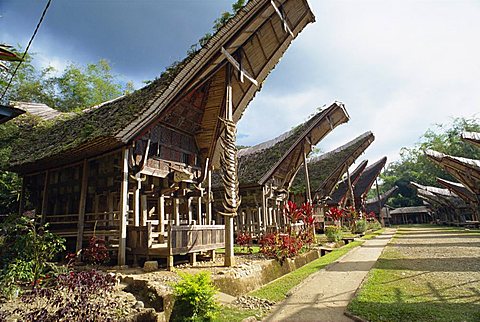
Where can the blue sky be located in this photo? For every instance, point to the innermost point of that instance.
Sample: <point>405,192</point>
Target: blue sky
<point>399,66</point>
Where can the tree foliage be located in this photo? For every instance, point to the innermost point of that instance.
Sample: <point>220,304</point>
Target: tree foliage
<point>75,88</point>
<point>415,166</point>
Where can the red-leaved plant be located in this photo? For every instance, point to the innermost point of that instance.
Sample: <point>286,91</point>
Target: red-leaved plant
<point>97,252</point>
<point>244,240</point>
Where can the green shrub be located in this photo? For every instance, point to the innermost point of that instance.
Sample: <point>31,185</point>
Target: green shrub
<point>26,253</point>
<point>194,298</point>
<point>360,226</point>
<point>333,233</point>
<point>374,225</point>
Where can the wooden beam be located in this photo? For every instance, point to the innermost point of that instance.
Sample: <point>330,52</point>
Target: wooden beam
<point>239,68</point>
<point>82,205</point>
<point>209,200</point>
<point>282,18</point>
<point>122,240</point>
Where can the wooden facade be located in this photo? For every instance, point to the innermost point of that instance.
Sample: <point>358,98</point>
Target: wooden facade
<point>136,170</point>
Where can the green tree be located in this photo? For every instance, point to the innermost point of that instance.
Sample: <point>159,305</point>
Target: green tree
<point>415,166</point>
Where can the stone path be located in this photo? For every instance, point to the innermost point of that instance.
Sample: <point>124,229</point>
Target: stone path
<point>324,296</point>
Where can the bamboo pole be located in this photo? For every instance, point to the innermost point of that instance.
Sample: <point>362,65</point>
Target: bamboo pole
<point>45,196</point>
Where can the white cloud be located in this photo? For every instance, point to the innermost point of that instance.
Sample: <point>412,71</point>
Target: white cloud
<point>399,66</point>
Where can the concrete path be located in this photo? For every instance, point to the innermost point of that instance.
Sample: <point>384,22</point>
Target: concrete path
<point>324,296</point>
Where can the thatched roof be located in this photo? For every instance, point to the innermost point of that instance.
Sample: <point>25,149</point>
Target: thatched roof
<point>459,189</point>
<point>326,170</point>
<point>282,157</point>
<point>466,171</point>
<point>188,96</point>
<point>9,112</point>
<point>472,137</point>
<point>410,210</point>
<point>366,180</point>
<point>341,192</point>
<point>373,204</point>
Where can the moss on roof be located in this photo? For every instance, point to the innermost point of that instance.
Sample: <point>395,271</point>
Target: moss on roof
<point>321,167</point>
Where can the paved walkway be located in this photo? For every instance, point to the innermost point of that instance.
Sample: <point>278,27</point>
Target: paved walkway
<point>324,296</point>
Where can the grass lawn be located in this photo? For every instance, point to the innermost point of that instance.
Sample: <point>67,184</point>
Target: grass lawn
<point>428,273</point>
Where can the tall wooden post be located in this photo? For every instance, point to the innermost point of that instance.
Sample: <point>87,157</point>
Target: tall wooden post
<point>350,187</point>
<point>45,197</point>
<point>176,211</point>
<point>199,212</point>
<point>122,240</point>
<point>209,200</point>
<point>307,178</point>
<point>136,201</point>
<point>82,205</point>
<point>161,214</point>
<point>144,210</point>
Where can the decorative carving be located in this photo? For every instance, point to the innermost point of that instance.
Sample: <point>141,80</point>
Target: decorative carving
<point>229,162</point>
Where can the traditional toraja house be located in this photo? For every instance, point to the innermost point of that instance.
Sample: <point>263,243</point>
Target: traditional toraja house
<point>410,215</point>
<point>472,137</point>
<point>466,171</point>
<point>469,197</point>
<point>377,203</point>
<point>266,171</point>
<point>327,170</point>
<point>344,188</point>
<point>132,169</point>
<point>365,182</point>
<point>448,207</point>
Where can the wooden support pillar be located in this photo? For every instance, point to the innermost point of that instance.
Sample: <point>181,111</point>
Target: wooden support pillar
<point>110,205</point>
<point>161,214</point>
<point>193,258</point>
<point>200,219</point>
<point>122,240</point>
<point>307,178</point>
<point>82,205</point>
<point>189,210</point>
<point>170,261</point>
<point>350,187</point>
<point>176,211</point>
<point>45,196</point>
<point>144,210</point>
<point>209,199</point>
<point>136,202</point>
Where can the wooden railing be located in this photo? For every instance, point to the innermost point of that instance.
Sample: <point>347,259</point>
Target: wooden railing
<point>195,238</point>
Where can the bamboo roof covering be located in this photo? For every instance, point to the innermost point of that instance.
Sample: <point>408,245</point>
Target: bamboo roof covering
<point>326,170</point>
<point>43,111</point>
<point>342,190</point>
<point>9,112</point>
<point>472,137</point>
<point>189,96</point>
<point>281,157</point>
<point>366,180</point>
<point>466,171</point>
<point>373,204</point>
<point>459,189</point>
